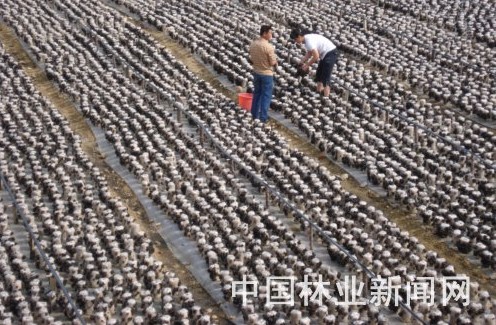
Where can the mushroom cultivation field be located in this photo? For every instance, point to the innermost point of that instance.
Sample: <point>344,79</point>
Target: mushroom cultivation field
<point>135,190</point>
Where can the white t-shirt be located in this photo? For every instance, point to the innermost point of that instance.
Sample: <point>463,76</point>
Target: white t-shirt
<point>319,43</point>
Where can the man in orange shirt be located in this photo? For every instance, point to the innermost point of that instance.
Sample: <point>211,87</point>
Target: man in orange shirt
<point>263,58</point>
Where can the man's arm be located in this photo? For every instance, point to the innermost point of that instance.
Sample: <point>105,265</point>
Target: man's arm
<point>314,54</point>
<point>305,58</point>
<point>273,57</point>
<point>250,54</point>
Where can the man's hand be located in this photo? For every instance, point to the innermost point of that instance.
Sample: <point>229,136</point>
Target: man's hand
<point>302,70</point>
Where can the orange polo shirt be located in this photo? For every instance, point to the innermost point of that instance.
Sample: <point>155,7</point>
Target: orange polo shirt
<point>262,53</point>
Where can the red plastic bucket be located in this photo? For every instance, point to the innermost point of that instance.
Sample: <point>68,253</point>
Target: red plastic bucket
<point>244,100</point>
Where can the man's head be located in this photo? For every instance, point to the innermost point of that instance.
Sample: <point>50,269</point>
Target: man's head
<point>297,35</point>
<point>266,32</point>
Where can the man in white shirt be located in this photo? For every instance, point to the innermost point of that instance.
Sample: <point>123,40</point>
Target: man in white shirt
<point>319,49</point>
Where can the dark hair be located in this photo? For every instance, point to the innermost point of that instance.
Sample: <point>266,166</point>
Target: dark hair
<point>264,29</point>
<point>295,32</point>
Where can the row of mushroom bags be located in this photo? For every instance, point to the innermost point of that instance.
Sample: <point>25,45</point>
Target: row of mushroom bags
<point>104,258</point>
<point>428,158</point>
<point>128,85</point>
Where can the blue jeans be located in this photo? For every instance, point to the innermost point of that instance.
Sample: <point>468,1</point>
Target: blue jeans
<point>262,95</point>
